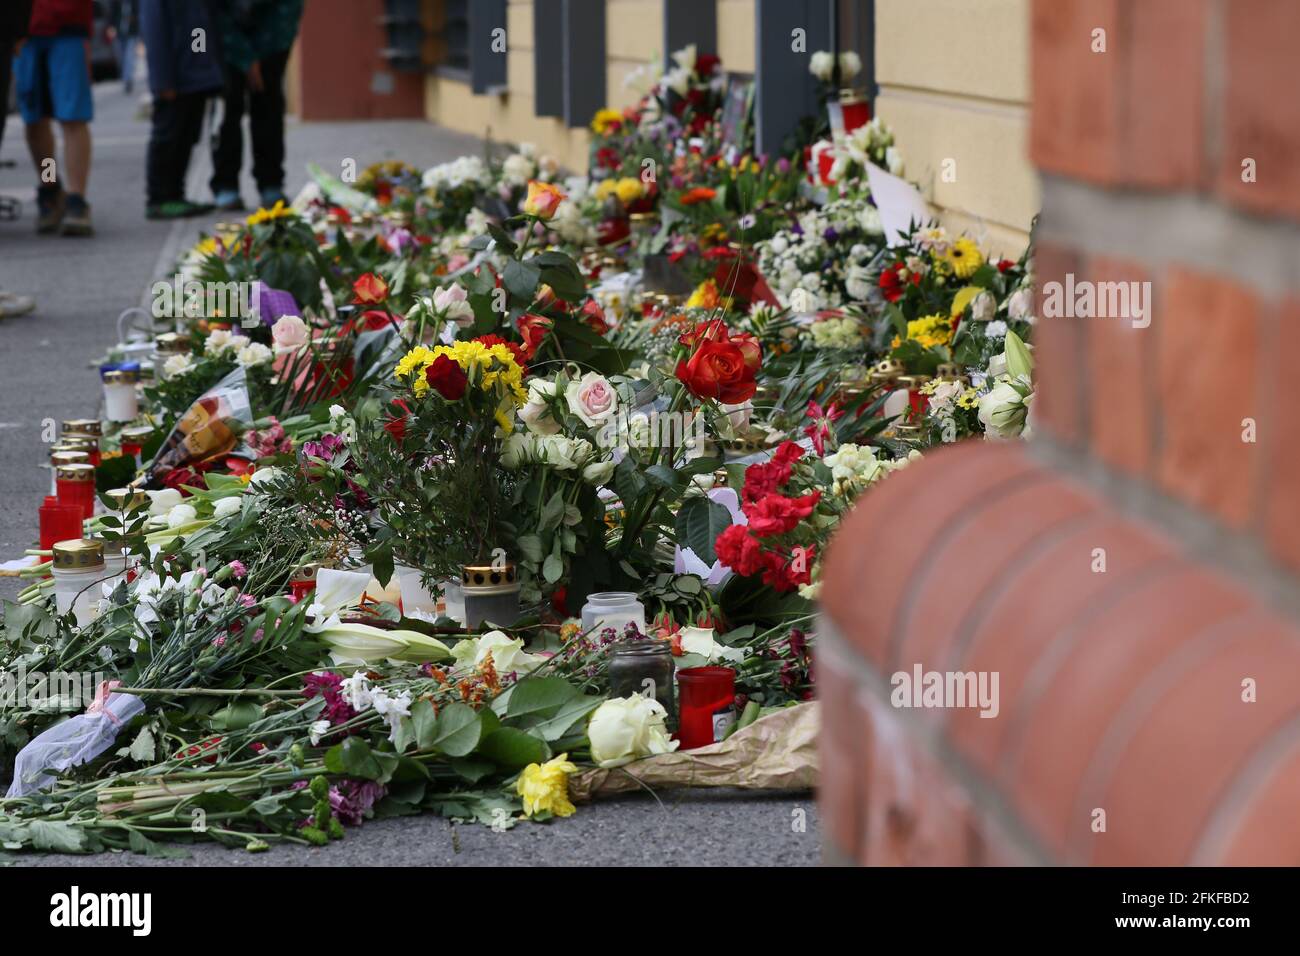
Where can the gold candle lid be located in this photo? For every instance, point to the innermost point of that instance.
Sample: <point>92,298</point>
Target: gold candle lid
<point>136,433</point>
<point>121,376</point>
<point>79,554</point>
<point>83,426</point>
<point>82,471</point>
<point>911,381</point>
<point>124,499</point>
<point>849,95</point>
<point>79,442</point>
<point>172,343</point>
<point>60,458</point>
<point>487,579</point>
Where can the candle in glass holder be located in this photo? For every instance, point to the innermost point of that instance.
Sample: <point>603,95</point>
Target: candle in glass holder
<point>83,441</point>
<point>76,486</point>
<point>65,455</point>
<point>133,440</point>
<point>58,522</point>
<point>707,705</point>
<point>303,581</point>
<point>121,404</point>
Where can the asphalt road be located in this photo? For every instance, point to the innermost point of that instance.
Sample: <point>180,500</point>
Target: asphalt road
<point>45,373</point>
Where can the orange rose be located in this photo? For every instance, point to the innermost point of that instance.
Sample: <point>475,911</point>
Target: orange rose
<point>697,195</point>
<point>370,289</point>
<point>543,199</point>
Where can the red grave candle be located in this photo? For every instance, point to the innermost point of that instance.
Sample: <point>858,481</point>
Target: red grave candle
<point>75,485</point>
<point>706,705</point>
<point>59,522</point>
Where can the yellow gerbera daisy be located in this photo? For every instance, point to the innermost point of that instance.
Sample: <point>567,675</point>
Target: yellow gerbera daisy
<point>962,258</point>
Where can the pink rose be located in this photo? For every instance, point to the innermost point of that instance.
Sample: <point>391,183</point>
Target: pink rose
<point>289,332</point>
<point>592,398</point>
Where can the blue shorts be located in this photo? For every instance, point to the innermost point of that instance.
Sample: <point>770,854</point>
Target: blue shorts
<point>52,77</point>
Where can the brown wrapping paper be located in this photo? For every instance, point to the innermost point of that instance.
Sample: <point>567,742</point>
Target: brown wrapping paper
<point>776,752</point>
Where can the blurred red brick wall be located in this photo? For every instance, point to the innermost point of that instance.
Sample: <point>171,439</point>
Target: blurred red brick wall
<point>341,73</point>
<point>1149,707</point>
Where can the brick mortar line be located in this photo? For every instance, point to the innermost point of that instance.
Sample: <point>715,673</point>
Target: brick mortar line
<point>1239,555</point>
<point>1165,229</point>
<point>988,798</point>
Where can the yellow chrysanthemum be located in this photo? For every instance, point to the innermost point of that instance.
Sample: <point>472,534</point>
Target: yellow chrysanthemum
<point>604,120</point>
<point>928,331</point>
<point>206,247</point>
<point>962,258</point>
<point>629,189</point>
<point>278,211</point>
<point>489,367</point>
<point>545,787</point>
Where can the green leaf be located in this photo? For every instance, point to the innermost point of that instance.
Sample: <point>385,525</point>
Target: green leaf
<point>552,512</point>
<point>57,836</point>
<point>558,724</point>
<point>514,748</point>
<point>354,758</point>
<point>699,522</point>
<point>553,568</point>
<point>457,731</point>
<point>520,279</point>
<point>539,695</point>
<point>424,721</point>
<point>530,546</point>
<point>145,747</point>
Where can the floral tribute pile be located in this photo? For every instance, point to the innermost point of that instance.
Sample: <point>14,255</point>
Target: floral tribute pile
<point>670,379</point>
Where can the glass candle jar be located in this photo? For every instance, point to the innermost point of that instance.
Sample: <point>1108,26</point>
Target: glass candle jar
<point>644,667</point>
<point>121,404</point>
<point>708,705</point>
<point>453,600</point>
<point>416,599</point>
<point>83,426</point>
<point>75,485</point>
<point>81,441</point>
<point>63,456</point>
<point>616,609</point>
<point>133,440</point>
<point>119,564</point>
<point>59,522</point>
<point>303,581</point>
<point>78,570</point>
<point>491,594</point>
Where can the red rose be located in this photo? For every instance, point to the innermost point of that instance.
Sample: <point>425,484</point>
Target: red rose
<point>446,375</point>
<point>777,514</point>
<point>534,329</point>
<point>370,289</point>
<point>396,425</point>
<point>722,366</point>
<point>594,316</point>
<point>610,232</point>
<point>892,286</point>
<point>739,550</point>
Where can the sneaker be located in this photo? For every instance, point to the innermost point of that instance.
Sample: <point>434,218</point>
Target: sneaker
<point>51,202</point>
<point>76,217</point>
<point>12,305</point>
<point>270,197</point>
<point>176,209</point>
<point>229,200</point>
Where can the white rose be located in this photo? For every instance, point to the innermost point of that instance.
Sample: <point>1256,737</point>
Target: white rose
<point>850,65</point>
<point>255,353</point>
<point>518,449</point>
<point>563,453</point>
<point>821,64</point>
<point>699,640</point>
<point>161,502</point>
<point>894,161</point>
<point>177,365</point>
<point>536,413</point>
<point>625,728</point>
<point>508,656</point>
<point>592,398</point>
<point>983,307</point>
<point>181,515</point>
<point>452,302</point>
<point>225,507</point>
<point>598,472</point>
<point>1021,304</point>
<point>264,476</point>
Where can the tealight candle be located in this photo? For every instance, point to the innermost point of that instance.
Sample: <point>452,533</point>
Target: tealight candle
<point>121,404</point>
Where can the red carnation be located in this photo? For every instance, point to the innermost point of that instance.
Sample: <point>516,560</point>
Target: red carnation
<point>739,550</point>
<point>777,514</point>
<point>892,284</point>
<point>396,425</point>
<point>446,375</point>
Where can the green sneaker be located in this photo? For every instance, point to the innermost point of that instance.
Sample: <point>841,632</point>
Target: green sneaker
<point>176,209</point>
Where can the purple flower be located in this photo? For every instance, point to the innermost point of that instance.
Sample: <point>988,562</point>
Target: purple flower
<point>352,800</point>
<point>330,686</point>
<point>325,448</point>
<point>237,570</point>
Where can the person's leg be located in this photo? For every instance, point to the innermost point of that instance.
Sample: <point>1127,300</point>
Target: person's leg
<point>76,156</point>
<point>74,108</point>
<point>126,57</point>
<point>228,144</point>
<point>6,64</point>
<point>266,123</point>
<point>191,107</point>
<point>34,102</point>
<point>160,180</point>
